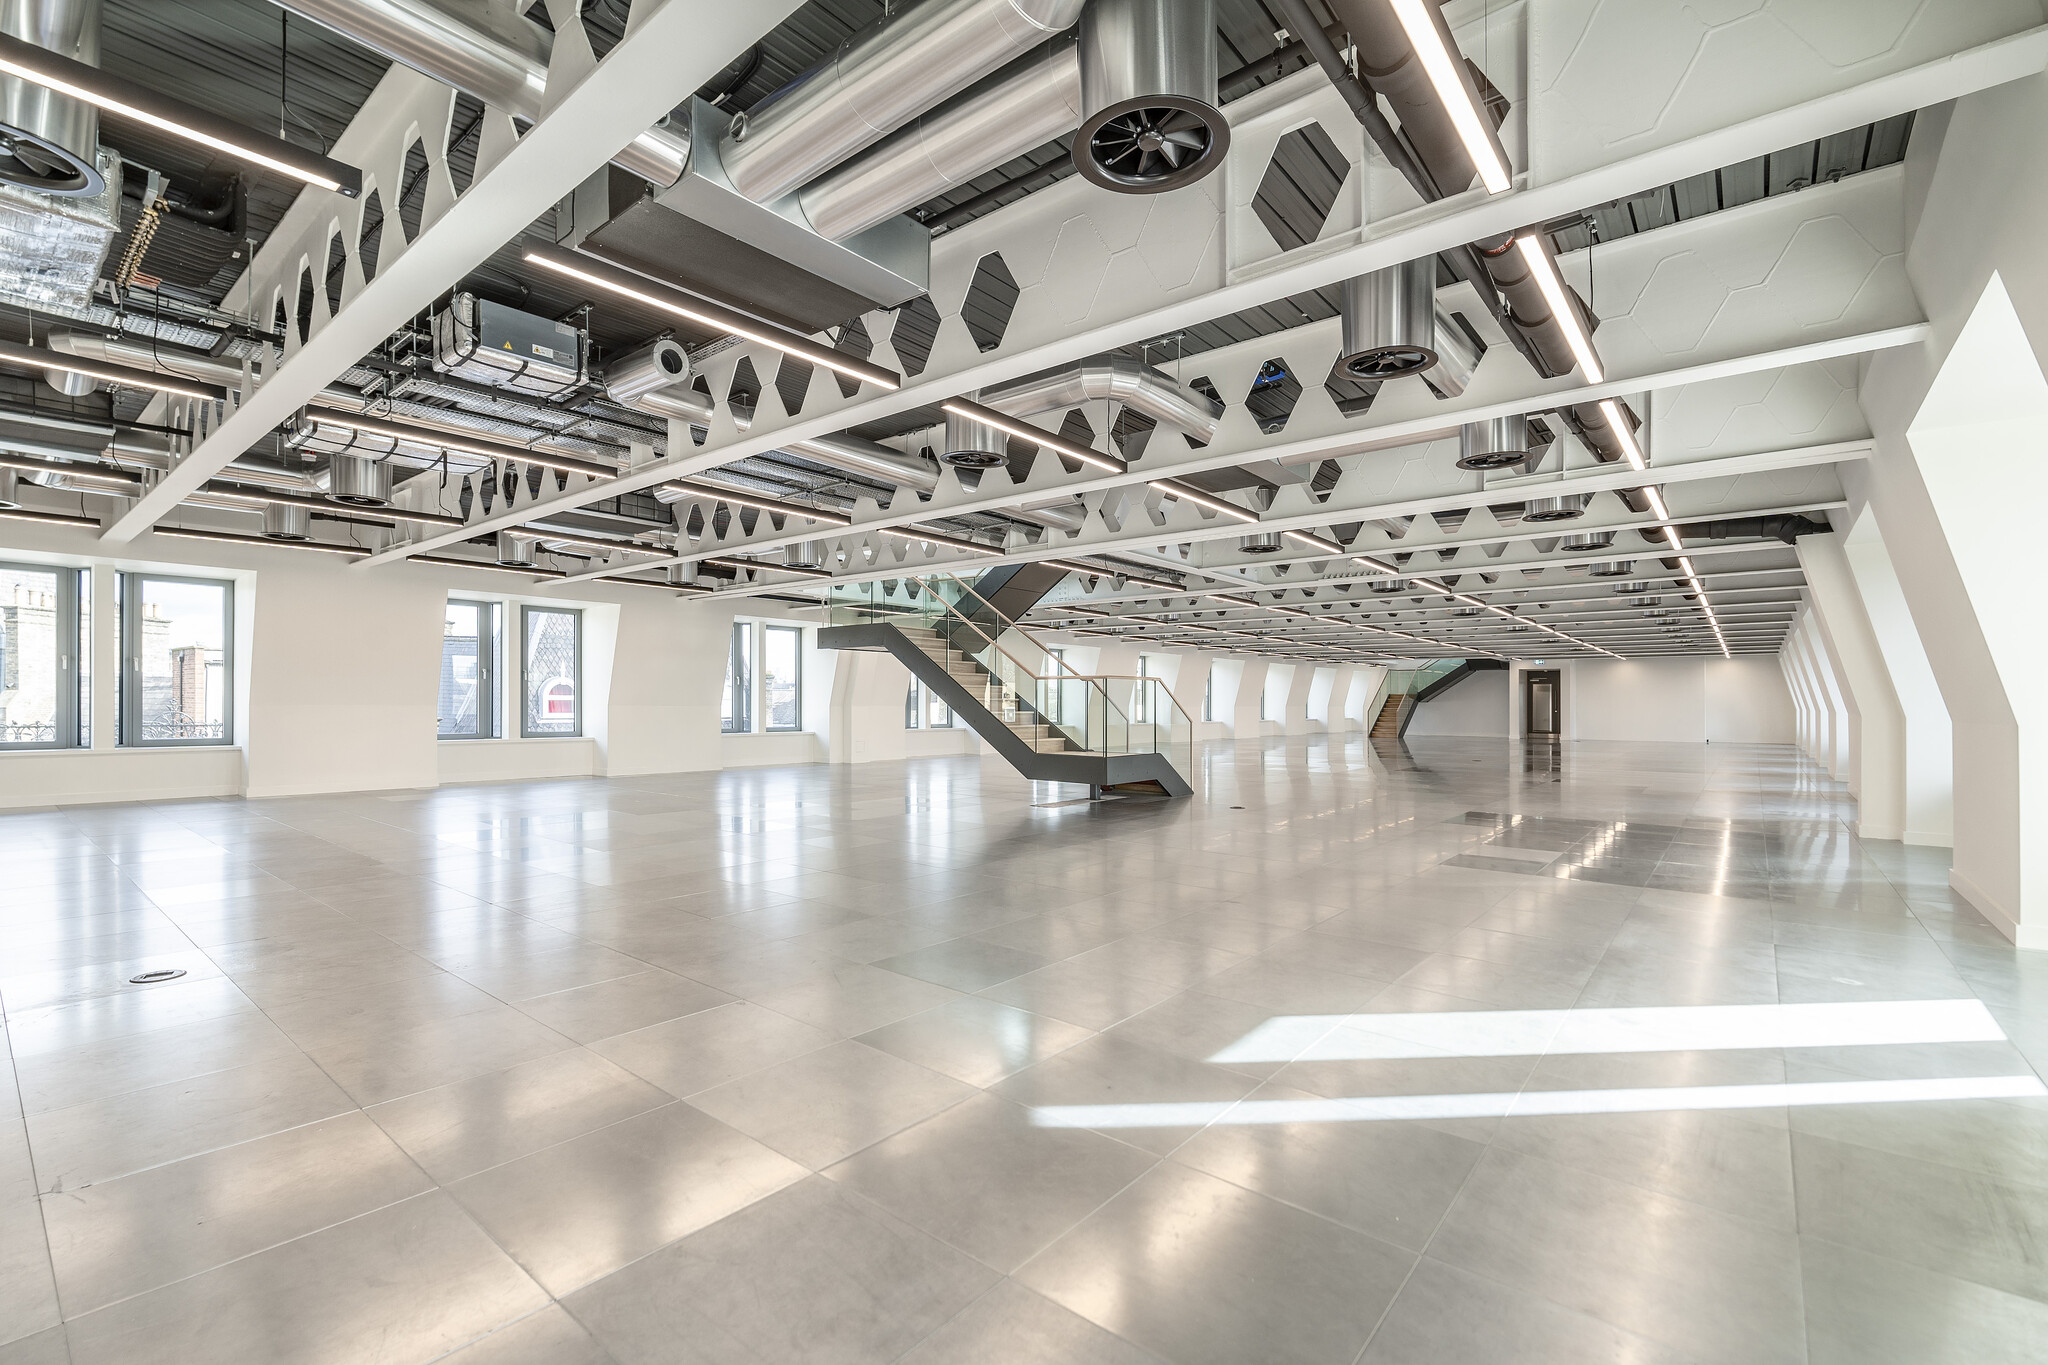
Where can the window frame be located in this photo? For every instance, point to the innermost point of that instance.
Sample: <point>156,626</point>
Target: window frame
<point>527,611</point>
<point>130,672</point>
<point>68,732</point>
<point>739,681</point>
<point>767,725</point>
<point>490,644</point>
<point>1209,695</point>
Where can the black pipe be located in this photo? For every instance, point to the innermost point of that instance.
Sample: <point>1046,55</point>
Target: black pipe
<point>1787,526</point>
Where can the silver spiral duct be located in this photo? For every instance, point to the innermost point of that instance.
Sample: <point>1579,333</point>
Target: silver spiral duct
<point>868,459</point>
<point>1497,443</point>
<point>1118,379</point>
<point>1148,95</point>
<point>486,52</point>
<point>653,380</point>
<point>50,142</point>
<point>879,80</point>
<point>10,488</point>
<point>1055,514</point>
<point>1023,106</point>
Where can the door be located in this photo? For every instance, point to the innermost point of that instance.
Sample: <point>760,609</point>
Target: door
<point>1542,708</point>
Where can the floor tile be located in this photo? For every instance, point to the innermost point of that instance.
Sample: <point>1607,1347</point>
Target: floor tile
<point>1010,1325</point>
<point>974,1040</point>
<point>829,1104</point>
<point>709,1048</point>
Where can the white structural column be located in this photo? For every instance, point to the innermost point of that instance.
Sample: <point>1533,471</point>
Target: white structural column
<point>1821,731</point>
<point>1930,751</point>
<point>1802,713</point>
<point>1877,728</point>
<point>1841,716</point>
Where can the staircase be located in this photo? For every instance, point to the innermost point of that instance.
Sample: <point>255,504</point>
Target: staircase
<point>1407,689</point>
<point>1387,725</point>
<point>967,654</point>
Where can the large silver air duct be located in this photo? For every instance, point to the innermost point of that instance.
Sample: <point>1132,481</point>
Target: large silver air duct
<point>10,488</point>
<point>1148,95</point>
<point>869,459</point>
<point>50,142</point>
<point>1023,107</point>
<point>1497,443</point>
<point>654,380</point>
<point>879,80</point>
<point>485,51</point>
<point>1389,320</point>
<point>1117,379</point>
<point>287,521</point>
<point>974,444</point>
<point>359,481</point>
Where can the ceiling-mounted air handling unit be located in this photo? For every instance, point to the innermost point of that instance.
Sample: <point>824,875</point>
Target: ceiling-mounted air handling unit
<point>1149,121</point>
<point>489,343</point>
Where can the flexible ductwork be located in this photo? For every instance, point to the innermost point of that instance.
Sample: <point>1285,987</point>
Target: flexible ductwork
<point>868,459</point>
<point>1497,443</point>
<point>1118,379</point>
<point>973,444</point>
<point>1389,64</point>
<point>1020,108</point>
<point>502,61</point>
<point>654,380</point>
<point>50,142</point>
<point>1149,121</point>
<point>879,80</point>
<point>359,481</point>
<point>284,521</point>
<point>1787,527</point>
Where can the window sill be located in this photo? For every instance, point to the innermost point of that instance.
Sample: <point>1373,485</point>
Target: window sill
<point>512,739</point>
<point>122,749</point>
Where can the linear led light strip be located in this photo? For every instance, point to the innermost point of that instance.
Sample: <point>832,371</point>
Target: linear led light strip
<point>734,562</point>
<point>1543,270</point>
<point>1241,601</point>
<point>116,96</point>
<point>657,296</point>
<point>1446,74</point>
<point>954,542</point>
<point>483,450</point>
<point>1074,566</point>
<point>1038,436</point>
<point>1663,514</point>
<point>1175,488</point>
<point>229,537</point>
<point>711,493</point>
<point>454,563</point>
<point>37,358</point>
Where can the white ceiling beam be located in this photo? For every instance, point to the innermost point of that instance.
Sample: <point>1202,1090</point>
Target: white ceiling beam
<point>672,47</point>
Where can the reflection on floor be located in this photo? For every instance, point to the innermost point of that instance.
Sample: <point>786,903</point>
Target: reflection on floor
<point>1445,1052</point>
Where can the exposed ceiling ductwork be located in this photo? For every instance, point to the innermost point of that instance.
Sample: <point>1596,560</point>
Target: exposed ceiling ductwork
<point>49,142</point>
<point>870,460</point>
<point>487,52</point>
<point>1149,121</point>
<point>1787,528</point>
<point>1118,379</point>
<point>655,380</point>
<point>879,80</point>
<point>1024,106</point>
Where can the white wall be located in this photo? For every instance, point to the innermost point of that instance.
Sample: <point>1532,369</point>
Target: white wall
<point>1476,705</point>
<point>1743,700</point>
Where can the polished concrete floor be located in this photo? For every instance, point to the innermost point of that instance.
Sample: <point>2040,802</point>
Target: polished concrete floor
<point>1445,1053</point>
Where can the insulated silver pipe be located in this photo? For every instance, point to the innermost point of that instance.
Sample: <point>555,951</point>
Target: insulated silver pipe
<point>869,459</point>
<point>879,80</point>
<point>1024,106</point>
<point>653,380</point>
<point>142,355</point>
<point>1060,514</point>
<point>484,51</point>
<point>1119,379</point>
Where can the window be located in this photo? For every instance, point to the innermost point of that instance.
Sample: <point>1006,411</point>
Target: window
<point>923,710</point>
<point>736,710</point>
<point>782,676</point>
<point>1056,690</point>
<point>1268,704</point>
<point>177,647</point>
<point>469,672</point>
<point>39,658</point>
<point>1209,694</point>
<point>551,674</point>
<point>1143,695</point>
